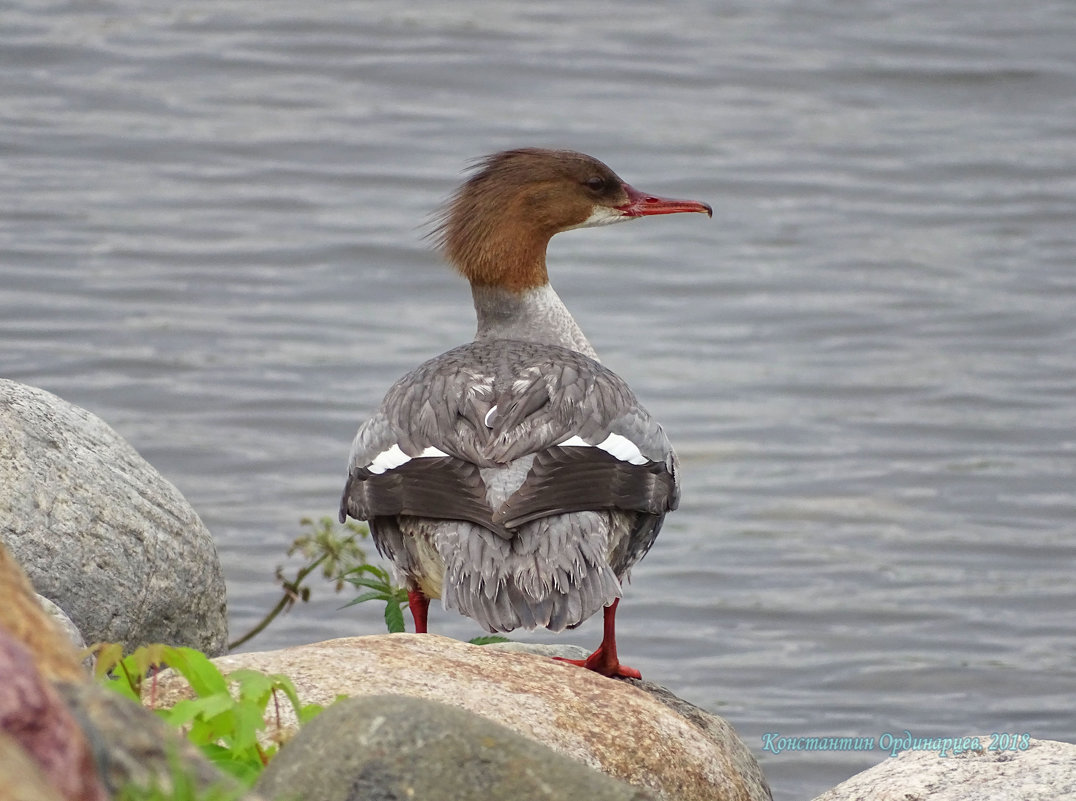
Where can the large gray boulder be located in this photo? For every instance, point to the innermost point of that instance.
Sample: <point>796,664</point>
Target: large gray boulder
<point>1029,770</point>
<point>100,532</point>
<point>393,747</point>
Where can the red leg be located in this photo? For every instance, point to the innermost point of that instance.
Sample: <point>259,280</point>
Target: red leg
<point>604,660</point>
<point>419,604</point>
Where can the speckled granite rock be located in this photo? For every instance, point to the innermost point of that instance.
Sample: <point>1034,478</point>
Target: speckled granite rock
<point>100,532</point>
<point>1045,771</point>
<point>69,628</point>
<point>63,621</point>
<point>670,748</point>
<point>394,747</point>
<point>548,650</point>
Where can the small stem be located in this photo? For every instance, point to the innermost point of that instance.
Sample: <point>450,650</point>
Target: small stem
<point>283,604</point>
<point>136,686</point>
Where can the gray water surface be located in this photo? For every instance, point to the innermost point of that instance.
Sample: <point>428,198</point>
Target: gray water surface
<point>211,221</point>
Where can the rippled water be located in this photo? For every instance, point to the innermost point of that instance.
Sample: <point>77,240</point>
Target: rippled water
<point>211,219</point>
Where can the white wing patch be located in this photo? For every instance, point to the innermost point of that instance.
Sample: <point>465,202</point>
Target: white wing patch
<point>431,452</point>
<point>615,445</point>
<point>394,457</point>
<point>623,449</point>
<point>576,442</point>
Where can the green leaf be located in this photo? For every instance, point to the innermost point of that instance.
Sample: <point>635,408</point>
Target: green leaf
<point>208,707</point>
<point>195,667</point>
<point>376,570</point>
<point>394,618</point>
<point>142,660</point>
<point>310,711</point>
<point>373,584</point>
<point>180,714</point>
<point>108,656</point>
<point>244,768</point>
<point>223,719</point>
<point>181,783</point>
<point>489,639</point>
<point>283,685</point>
<point>373,595</point>
<point>254,686</point>
<point>247,722</point>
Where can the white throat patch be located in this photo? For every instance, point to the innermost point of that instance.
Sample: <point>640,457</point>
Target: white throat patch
<point>601,215</point>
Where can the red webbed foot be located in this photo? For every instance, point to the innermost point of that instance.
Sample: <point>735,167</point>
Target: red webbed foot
<point>604,660</point>
<point>599,663</point>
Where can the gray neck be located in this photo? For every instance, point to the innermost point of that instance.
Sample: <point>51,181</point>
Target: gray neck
<point>534,315</point>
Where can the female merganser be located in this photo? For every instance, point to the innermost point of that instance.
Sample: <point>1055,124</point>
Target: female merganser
<point>515,477</point>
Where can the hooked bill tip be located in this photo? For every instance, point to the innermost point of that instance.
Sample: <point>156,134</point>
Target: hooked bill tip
<point>641,204</point>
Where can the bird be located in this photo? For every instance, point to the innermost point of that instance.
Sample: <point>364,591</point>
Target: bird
<point>515,477</point>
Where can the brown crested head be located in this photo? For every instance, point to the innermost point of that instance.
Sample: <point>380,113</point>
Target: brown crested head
<point>496,227</point>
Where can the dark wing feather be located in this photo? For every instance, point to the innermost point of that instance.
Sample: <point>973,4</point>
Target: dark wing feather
<point>544,395</point>
<point>636,545</point>
<point>578,479</point>
<point>443,488</point>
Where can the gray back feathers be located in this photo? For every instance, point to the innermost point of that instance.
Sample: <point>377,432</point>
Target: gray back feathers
<point>529,469</point>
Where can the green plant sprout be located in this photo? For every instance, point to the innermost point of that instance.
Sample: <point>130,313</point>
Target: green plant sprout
<point>323,545</point>
<point>226,714</point>
<point>342,562</point>
<point>379,587</point>
<point>180,785</point>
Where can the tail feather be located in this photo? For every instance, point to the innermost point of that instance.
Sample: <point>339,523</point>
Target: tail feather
<point>548,576</point>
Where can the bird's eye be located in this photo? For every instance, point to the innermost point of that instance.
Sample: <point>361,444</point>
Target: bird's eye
<point>595,183</point>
